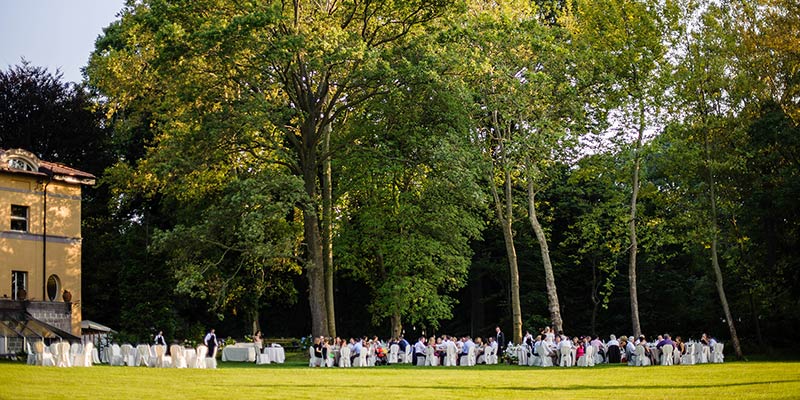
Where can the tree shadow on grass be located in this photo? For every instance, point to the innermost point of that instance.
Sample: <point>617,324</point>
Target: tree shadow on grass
<point>515,388</point>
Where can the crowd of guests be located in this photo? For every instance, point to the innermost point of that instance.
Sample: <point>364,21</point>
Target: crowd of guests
<point>615,350</point>
<point>328,351</point>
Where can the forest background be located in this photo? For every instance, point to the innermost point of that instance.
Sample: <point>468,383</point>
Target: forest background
<point>377,167</point>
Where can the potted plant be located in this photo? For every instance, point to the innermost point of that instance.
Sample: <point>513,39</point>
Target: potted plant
<point>67,296</point>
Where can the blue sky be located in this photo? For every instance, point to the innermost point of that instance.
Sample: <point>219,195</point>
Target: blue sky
<point>53,33</point>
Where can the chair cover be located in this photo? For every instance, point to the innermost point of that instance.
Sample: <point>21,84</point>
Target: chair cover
<point>362,357</point>
<point>76,354</point>
<point>641,359</point>
<point>344,356</point>
<point>116,355</point>
<point>211,362</point>
<point>313,361</point>
<point>64,359</point>
<point>450,355</point>
<point>565,360</point>
<point>676,356</point>
<point>31,354</point>
<point>718,356</point>
<point>200,356</point>
<point>394,351</point>
<point>142,355</point>
<point>666,354</point>
<point>430,356</point>
<point>43,357</point>
<point>544,357</point>
<point>263,358</point>
<point>407,357</point>
<point>522,354</point>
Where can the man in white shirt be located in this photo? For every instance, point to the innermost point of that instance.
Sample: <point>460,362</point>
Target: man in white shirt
<point>159,339</point>
<point>419,350</point>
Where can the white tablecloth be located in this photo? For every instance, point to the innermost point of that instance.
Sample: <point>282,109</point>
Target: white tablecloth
<point>276,354</point>
<point>236,353</point>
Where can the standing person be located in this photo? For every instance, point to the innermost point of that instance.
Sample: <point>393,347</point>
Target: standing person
<point>500,338</point>
<point>159,339</point>
<point>257,341</point>
<point>211,342</point>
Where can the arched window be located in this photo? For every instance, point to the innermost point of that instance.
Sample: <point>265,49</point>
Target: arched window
<point>53,287</point>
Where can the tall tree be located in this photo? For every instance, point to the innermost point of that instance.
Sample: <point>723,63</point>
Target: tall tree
<point>628,36</point>
<point>287,70</point>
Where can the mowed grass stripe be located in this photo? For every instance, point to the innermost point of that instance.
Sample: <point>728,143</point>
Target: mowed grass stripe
<point>752,380</point>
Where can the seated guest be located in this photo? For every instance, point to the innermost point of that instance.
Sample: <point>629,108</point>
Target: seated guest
<point>613,351</point>
<point>680,345</point>
<point>419,350</point>
<point>665,341</point>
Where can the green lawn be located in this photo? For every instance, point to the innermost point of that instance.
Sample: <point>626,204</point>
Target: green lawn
<point>736,380</point>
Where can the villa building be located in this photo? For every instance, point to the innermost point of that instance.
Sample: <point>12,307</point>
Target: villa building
<point>40,248</point>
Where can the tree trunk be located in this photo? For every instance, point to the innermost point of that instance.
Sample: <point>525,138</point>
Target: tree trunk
<point>327,230</point>
<point>637,329</point>
<point>505,216</point>
<point>714,259</point>
<point>256,323</point>
<point>397,326</point>
<point>311,230</point>
<point>550,281</point>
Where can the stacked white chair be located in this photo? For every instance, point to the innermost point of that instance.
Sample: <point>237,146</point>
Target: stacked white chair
<point>666,354</point>
<point>641,358</point>
<point>394,352</point>
<point>717,355</point>
<point>344,356</point>
<point>200,356</point>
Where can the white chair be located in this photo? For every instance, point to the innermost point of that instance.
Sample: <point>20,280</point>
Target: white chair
<point>491,355</point>
<point>688,358</point>
<point>313,361</point>
<point>142,355</point>
<point>116,358</point>
<point>200,356</point>
<point>84,357</point>
<point>717,355</point>
<point>534,360</point>
<point>263,357</point>
<point>55,350</point>
<point>128,353</point>
<point>430,356</point>
<point>407,356</point>
<point>161,359</point>
<point>362,357</point>
<point>666,354</point>
<point>676,356</point>
<point>450,354</point>
<point>211,362</point>
<point>371,356</point>
<point>344,356</point>
<point>43,357</point>
<point>522,354</point>
<point>565,360</point>
<point>467,360</point>
<point>394,353</point>
<point>641,358</point>
<point>31,354</point>
<point>64,359</point>
<point>544,356</point>
<point>76,354</point>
